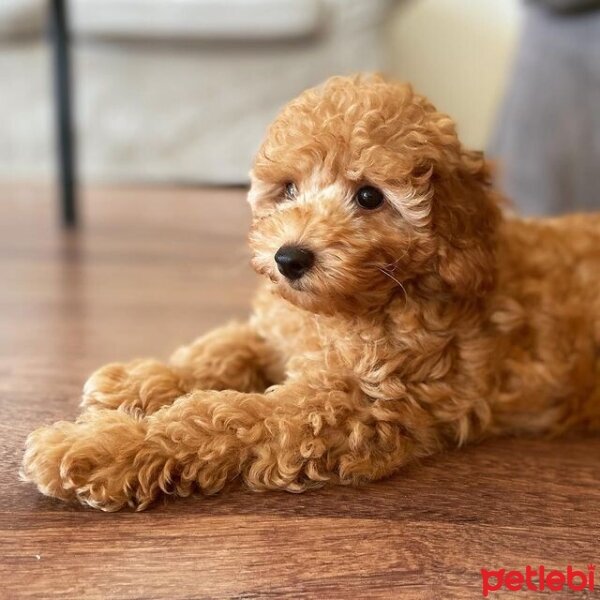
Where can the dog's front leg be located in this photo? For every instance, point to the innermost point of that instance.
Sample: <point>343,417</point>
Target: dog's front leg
<point>231,357</point>
<point>297,436</point>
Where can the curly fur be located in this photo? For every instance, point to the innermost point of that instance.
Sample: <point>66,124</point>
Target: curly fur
<point>430,322</point>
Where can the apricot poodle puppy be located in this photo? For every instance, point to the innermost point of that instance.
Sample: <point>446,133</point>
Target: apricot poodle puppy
<point>401,314</point>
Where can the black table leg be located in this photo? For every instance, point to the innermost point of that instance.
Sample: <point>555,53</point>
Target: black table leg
<point>64,115</point>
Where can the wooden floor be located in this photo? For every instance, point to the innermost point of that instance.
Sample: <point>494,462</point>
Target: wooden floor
<point>151,269</point>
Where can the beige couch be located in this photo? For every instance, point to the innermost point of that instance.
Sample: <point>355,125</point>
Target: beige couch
<point>174,91</point>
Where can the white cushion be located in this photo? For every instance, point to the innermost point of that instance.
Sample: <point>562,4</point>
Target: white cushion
<point>197,19</point>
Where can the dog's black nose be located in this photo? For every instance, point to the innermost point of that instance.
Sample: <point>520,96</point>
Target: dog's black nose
<point>293,261</point>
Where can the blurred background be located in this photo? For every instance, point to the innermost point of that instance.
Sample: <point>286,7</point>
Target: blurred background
<point>180,91</point>
<point>170,99</point>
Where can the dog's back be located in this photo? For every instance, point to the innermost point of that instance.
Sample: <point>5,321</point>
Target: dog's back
<point>548,300</point>
<point>561,254</point>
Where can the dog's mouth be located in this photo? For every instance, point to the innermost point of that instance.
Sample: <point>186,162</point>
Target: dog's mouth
<point>297,291</point>
<point>298,285</point>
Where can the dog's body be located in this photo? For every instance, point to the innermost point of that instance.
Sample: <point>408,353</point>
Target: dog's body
<point>536,339</point>
<point>402,314</point>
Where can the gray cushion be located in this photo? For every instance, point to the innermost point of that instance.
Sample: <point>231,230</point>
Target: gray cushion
<point>568,6</point>
<point>547,140</point>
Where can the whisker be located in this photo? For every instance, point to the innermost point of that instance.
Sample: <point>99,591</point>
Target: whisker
<point>402,256</point>
<point>395,280</point>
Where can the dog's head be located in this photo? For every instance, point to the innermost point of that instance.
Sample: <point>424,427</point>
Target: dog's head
<point>361,189</point>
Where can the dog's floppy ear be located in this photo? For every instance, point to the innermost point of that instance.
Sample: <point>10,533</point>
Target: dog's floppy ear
<point>466,216</point>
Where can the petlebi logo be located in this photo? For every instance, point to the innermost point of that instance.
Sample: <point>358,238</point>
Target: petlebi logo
<point>539,579</point>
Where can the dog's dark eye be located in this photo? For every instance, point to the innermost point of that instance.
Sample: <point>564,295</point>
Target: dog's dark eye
<point>369,197</point>
<point>290,190</point>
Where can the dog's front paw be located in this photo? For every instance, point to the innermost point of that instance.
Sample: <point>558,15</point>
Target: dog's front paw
<point>45,449</point>
<point>141,386</point>
<point>91,461</point>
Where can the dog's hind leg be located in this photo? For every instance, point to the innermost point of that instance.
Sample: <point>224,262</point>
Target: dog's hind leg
<point>231,357</point>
